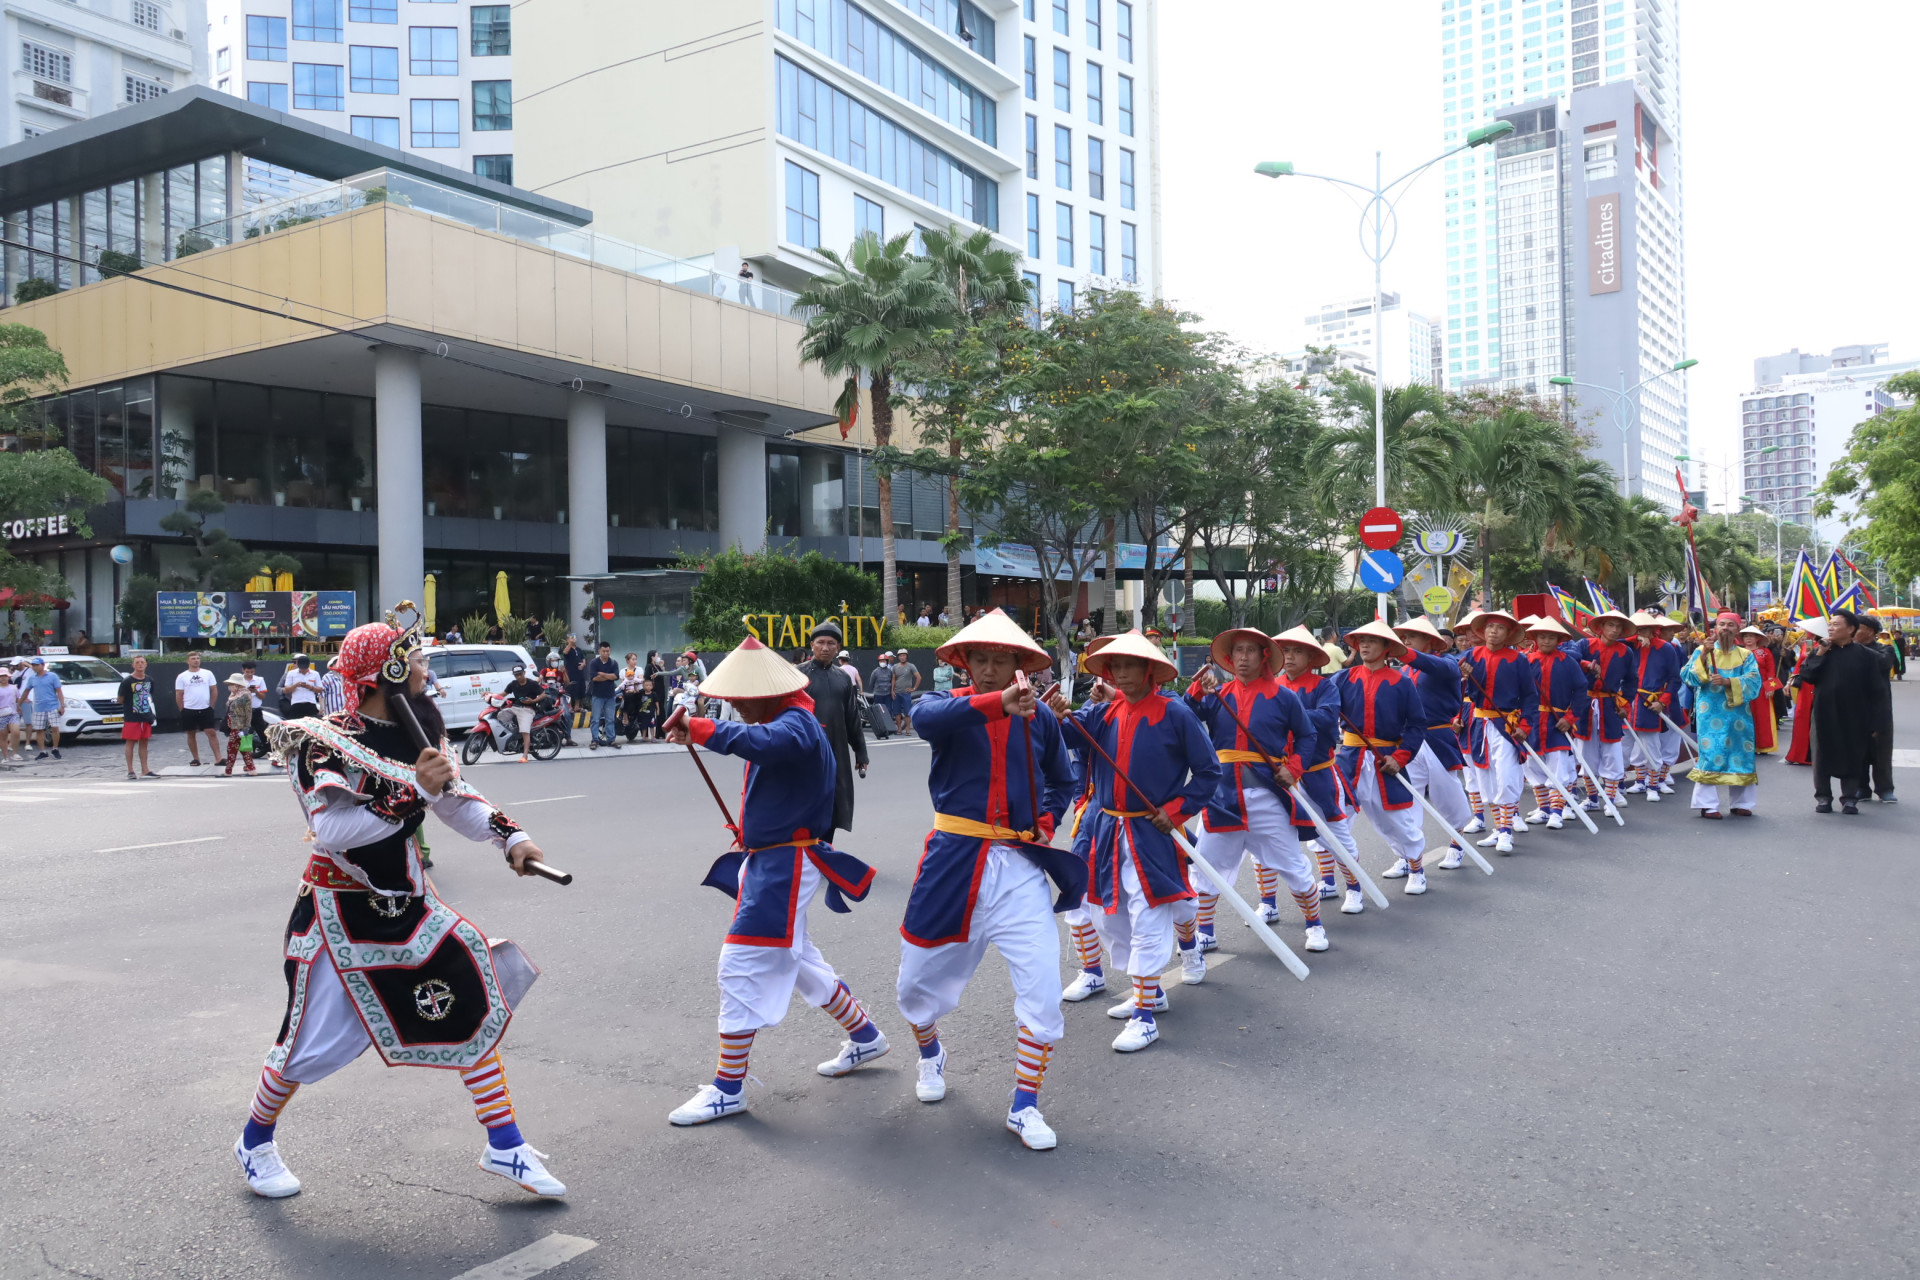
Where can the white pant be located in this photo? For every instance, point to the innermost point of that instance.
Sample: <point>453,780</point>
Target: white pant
<point>1442,786</point>
<point>1269,837</point>
<point>757,983</point>
<point>1139,937</point>
<point>1665,745</point>
<point>1500,781</point>
<point>1560,768</point>
<point>1400,828</point>
<point>1706,795</point>
<point>330,1034</point>
<point>1343,831</point>
<point>1014,912</point>
<point>1606,759</point>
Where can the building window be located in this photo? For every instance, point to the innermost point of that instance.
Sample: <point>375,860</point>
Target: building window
<point>803,206</point>
<point>266,38</point>
<point>869,218</point>
<point>1032,68</point>
<point>1126,105</point>
<point>1063,295</point>
<point>1097,244</point>
<point>1060,21</point>
<point>146,14</point>
<point>1093,23</point>
<point>1096,169</point>
<point>374,10</point>
<point>140,89</point>
<point>317,87</point>
<point>871,49</point>
<point>223,61</point>
<point>1129,253</point>
<point>1033,291</point>
<point>436,122</point>
<point>1096,94</point>
<point>433,51</point>
<point>384,130</point>
<point>492,105</point>
<point>1033,227</point>
<point>1123,30</point>
<point>316,20</point>
<point>1126,178</point>
<point>492,30</point>
<point>265,93</point>
<point>1062,81</point>
<point>374,69</point>
<point>1063,234</point>
<point>498,168</point>
<point>42,63</point>
<point>1063,157</point>
<point>1033,147</point>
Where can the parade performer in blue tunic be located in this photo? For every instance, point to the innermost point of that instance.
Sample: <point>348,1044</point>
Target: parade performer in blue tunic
<point>1092,978</point>
<point>1612,665</point>
<point>1499,683</point>
<point>1000,781</point>
<point>1725,680</point>
<point>1253,720</point>
<point>1383,724</point>
<point>1657,687</point>
<point>776,867</point>
<point>1439,768</point>
<point>1562,686</point>
<point>1136,873</point>
<point>1301,657</point>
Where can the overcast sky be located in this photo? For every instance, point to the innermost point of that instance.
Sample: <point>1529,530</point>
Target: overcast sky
<point>1795,125</point>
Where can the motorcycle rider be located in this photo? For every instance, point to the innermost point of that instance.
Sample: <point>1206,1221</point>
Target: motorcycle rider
<point>521,694</point>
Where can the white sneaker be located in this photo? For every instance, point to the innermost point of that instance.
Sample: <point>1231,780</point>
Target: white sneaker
<point>1395,872</point>
<point>1503,843</point>
<point>854,1055</point>
<point>1269,912</point>
<point>1537,818</point>
<point>1453,859</point>
<point>1317,938</point>
<point>1126,1007</point>
<point>1136,1035</point>
<point>1475,826</point>
<point>521,1166</point>
<point>1035,1133</point>
<point>1416,884</point>
<point>1489,840</point>
<point>708,1105</point>
<point>267,1174</point>
<point>1354,903</point>
<point>1193,966</point>
<point>1206,942</point>
<point>932,1084</point>
<point>1329,889</point>
<point>1666,788</point>
<point>1519,825</point>
<point>1620,800</point>
<point>1638,788</point>
<point>1084,984</point>
<point>1653,795</point>
<point>1555,822</point>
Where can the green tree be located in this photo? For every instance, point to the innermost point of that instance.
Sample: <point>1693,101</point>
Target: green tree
<point>873,308</point>
<point>219,562</point>
<point>1509,472</point>
<point>137,611</point>
<point>735,583</point>
<point>29,370</point>
<point>39,480</point>
<point>1419,441</point>
<point>1730,559</point>
<point>1876,484</point>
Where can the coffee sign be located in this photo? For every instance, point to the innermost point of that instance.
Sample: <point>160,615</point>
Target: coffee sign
<point>1603,244</point>
<point>36,527</point>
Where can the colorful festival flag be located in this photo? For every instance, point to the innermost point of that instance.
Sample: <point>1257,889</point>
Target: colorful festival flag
<point>1858,598</point>
<point>1572,612</point>
<point>1829,578</point>
<point>1804,599</point>
<point>1602,602</point>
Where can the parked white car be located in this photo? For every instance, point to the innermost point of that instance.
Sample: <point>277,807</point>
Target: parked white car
<point>467,673</point>
<point>93,694</point>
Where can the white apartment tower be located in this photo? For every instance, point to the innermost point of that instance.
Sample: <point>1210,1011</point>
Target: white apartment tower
<point>75,59</point>
<point>433,77</point>
<point>1406,336</point>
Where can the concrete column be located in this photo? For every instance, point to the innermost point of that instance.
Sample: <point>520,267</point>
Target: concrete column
<point>400,491</point>
<point>743,488</point>
<point>586,498</point>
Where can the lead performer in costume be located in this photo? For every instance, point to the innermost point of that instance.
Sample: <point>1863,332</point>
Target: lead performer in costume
<point>1657,686</point>
<point>373,956</point>
<point>1383,722</point>
<point>1439,767</point>
<point>983,872</point>
<point>1601,725</point>
<point>1301,657</point>
<point>1251,813</point>
<point>1499,683</point>
<point>779,863</point>
<point>1136,875</point>
<point>1562,685</point>
<point>1724,679</point>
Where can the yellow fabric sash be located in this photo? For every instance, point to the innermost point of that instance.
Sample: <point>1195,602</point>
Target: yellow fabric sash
<point>1352,739</point>
<point>1127,813</point>
<point>1241,757</point>
<point>955,825</point>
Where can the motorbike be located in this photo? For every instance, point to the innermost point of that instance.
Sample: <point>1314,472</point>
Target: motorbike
<point>494,730</point>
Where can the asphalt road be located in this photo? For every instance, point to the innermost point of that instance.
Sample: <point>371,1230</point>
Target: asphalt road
<point>1679,1049</point>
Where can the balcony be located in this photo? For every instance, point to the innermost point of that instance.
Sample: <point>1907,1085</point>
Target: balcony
<point>424,196</point>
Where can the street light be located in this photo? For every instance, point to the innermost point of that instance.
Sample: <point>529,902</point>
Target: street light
<point>1625,408</point>
<point>1772,509</point>
<point>1380,209</point>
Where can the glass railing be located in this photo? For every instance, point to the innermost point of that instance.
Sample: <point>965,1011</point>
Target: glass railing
<point>432,198</point>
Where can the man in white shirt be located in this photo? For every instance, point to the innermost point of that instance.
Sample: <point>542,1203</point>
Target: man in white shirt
<point>193,693</point>
<point>300,686</point>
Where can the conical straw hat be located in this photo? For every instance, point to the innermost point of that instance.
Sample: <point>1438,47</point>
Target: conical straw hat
<point>1395,646</point>
<point>1094,646</point>
<point>1612,615</point>
<point>1224,642</point>
<point>753,671</point>
<point>1300,638</point>
<point>1421,627</point>
<point>1553,625</point>
<point>1481,619</point>
<point>1133,645</point>
<point>999,631</point>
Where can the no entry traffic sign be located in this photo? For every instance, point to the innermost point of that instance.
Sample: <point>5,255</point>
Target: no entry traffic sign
<point>1381,571</point>
<point>606,609</point>
<point>1381,529</point>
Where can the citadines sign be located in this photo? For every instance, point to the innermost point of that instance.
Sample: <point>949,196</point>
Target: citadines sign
<point>1603,244</point>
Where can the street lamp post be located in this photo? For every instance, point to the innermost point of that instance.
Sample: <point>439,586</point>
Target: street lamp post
<point>1380,211</point>
<point>1625,408</point>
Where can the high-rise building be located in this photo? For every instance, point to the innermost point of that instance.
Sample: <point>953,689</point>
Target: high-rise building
<point>763,131</point>
<point>75,59</point>
<point>434,77</point>
<point>1407,336</point>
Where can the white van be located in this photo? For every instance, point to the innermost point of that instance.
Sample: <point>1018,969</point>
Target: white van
<point>467,673</point>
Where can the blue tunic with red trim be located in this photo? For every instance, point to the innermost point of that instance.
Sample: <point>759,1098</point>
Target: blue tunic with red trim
<point>1612,669</point>
<point>1163,747</point>
<point>1279,723</point>
<point>1386,709</point>
<point>979,774</point>
<point>1321,701</point>
<point>787,798</point>
<point>1657,680</point>
<point>1499,680</point>
<point>1437,676</point>
<point>1562,686</point>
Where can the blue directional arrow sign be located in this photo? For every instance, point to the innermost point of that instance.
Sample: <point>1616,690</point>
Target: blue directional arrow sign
<point>1381,570</point>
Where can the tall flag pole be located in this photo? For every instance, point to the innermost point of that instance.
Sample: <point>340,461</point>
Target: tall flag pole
<point>1699,598</point>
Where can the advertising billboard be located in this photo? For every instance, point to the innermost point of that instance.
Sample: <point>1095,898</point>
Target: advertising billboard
<point>240,615</point>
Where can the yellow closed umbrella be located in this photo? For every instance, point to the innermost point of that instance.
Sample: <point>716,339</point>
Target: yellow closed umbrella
<point>427,594</point>
<point>502,606</point>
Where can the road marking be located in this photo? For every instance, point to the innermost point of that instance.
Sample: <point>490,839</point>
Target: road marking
<point>30,799</point>
<point>158,844</point>
<point>1906,758</point>
<point>541,1255</point>
<point>1214,960</point>
<point>546,800</point>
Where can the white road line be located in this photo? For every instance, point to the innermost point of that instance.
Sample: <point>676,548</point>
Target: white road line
<point>30,799</point>
<point>545,800</point>
<point>158,844</point>
<point>1214,960</point>
<point>1906,758</point>
<point>541,1255</point>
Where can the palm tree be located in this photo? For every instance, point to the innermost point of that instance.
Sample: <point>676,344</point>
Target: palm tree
<point>1510,467</point>
<point>871,310</point>
<point>1419,438</point>
<point>984,280</point>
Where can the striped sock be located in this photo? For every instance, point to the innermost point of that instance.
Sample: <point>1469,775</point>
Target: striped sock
<point>1203,912</point>
<point>1414,867</point>
<point>848,1012</point>
<point>1542,797</point>
<point>1613,788</point>
<point>1308,901</point>
<point>1324,856</point>
<point>929,1038</point>
<point>269,1099</point>
<point>486,1080</point>
<point>1269,884</point>
<point>1030,1070</point>
<point>1353,881</point>
<point>1146,994</point>
<point>735,1046</point>
<point>1473,800</point>
<point>1086,941</point>
<point>1660,776</point>
<point>1184,931</point>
